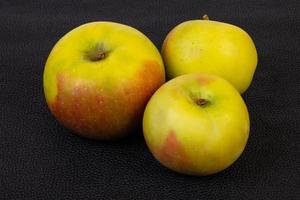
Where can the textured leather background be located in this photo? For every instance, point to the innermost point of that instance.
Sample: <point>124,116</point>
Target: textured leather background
<point>40,159</point>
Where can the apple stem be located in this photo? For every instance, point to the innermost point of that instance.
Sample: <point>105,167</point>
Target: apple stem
<point>205,17</point>
<point>201,102</point>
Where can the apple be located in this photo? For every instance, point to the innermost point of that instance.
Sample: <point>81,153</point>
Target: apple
<point>212,47</point>
<point>196,124</point>
<point>99,77</point>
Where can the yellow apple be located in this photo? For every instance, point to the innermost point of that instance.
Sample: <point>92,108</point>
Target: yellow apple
<point>211,47</point>
<point>99,77</point>
<point>196,124</point>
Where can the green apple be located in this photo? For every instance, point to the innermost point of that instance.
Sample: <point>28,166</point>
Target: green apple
<point>196,124</point>
<point>99,77</point>
<point>211,47</point>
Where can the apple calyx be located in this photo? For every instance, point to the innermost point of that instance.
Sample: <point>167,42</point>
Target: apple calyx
<point>96,55</point>
<point>205,17</point>
<point>201,102</point>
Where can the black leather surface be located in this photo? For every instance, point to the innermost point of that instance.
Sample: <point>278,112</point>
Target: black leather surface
<point>40,159</point>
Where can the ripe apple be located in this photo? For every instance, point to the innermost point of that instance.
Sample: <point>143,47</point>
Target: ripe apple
<point>196,124</point>
<point>211,47</point>
<point>99,77</point>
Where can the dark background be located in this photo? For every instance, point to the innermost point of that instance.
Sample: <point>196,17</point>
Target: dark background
<point>40,159</point>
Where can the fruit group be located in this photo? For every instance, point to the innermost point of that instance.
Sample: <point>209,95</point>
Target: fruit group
<point>211,47</point>
<point>196,124</point>
<point>99,77</point>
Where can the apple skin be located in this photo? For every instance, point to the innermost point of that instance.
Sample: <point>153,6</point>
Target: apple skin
<point>99,77</point>
<point>210,47</point>
<point>196,124</point>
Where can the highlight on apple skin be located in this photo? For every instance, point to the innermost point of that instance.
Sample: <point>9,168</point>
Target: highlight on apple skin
<point>99,77</point>
<point>196,124</point>
<point>212,47</point>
